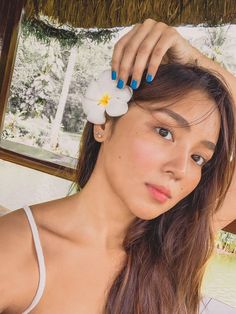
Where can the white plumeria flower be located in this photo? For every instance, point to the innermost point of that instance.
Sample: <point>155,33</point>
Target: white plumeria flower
<point>103,95</point>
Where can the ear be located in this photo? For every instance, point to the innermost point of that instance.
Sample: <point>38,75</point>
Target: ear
<point>102,131</point>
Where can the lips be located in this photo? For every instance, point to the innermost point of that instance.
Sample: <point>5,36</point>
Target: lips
<point>161,189</point>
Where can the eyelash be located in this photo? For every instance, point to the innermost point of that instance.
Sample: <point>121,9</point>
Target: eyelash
<point>204,159</point>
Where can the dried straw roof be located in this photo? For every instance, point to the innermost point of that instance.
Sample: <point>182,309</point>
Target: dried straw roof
<point>112,13</point>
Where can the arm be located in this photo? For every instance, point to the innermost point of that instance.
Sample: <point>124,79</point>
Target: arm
<point>146,46</point>
<point>229,78</point>
<point>226,216</point>
<point>15,250</point>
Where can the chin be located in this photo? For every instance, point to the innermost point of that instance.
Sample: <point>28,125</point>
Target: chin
<point>148,213</point>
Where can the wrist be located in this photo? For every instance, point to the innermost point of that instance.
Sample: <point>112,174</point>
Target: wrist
<point>200,59</point>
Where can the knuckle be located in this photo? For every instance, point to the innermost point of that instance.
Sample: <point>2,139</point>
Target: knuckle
<point>149,21</point>
<point>161,25</point>
<point>171,31</point>
<point>158,52</point>
<point>143,49</point>
<point>123,69</point>
<point>130,49</point>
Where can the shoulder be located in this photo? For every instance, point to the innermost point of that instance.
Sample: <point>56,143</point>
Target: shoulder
<point>15,256</point>
<point>18,259</point>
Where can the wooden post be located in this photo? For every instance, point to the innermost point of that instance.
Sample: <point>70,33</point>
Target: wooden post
<point>231,227</point>
<point>10,17</point>
<point>62,102</point>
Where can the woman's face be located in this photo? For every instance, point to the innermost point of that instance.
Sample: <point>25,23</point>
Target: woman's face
<point>144,150</point>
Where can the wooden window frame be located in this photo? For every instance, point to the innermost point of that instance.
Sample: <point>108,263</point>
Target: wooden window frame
<point>11,12</point>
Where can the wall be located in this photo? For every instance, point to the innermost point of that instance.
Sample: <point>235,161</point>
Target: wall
<point>20,186</point>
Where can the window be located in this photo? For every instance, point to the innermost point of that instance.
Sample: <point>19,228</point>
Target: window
<point>42,116</point>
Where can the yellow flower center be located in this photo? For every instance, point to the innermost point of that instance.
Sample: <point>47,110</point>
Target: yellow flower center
<point>104,100</point>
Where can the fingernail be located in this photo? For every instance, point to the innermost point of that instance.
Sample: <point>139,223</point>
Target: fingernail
<point>149,78</point>
<point>113,75</point>
<point>134,84</point>
<point>120,84</point>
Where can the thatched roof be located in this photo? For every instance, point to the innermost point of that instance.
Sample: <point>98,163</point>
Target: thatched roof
<point>111,13</point>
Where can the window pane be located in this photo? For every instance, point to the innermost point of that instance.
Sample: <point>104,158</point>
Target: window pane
<point>44,117</point>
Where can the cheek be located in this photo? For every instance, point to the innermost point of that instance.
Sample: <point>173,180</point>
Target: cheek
<point>146,156</point>
<point>133,159</point>
<point>189,184</point>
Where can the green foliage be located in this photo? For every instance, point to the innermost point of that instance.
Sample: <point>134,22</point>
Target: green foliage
<point>226,241</point>
<point>16,127</point>
<point>66,35</point>
<point>37,86</point>
<point>37,79</point>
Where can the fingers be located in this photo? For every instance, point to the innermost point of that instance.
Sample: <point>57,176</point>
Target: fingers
<point>126,49</point>
<point>150,45</point>
<point>119,50</point>
<point>144,46</point>
<point>165,42</point>
<point>130,51</point>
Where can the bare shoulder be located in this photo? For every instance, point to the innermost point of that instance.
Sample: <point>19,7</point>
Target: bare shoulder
<point>15,255</point>
<point>18,259</point>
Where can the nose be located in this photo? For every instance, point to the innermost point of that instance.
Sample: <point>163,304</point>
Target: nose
<point>176,164</point>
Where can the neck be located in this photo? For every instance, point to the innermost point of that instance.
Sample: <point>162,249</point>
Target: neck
<point>102,216</point>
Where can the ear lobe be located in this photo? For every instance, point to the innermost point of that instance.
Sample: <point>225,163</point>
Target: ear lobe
<point>102,131</point>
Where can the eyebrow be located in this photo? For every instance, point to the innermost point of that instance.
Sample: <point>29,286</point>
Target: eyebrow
<point>181,121</point>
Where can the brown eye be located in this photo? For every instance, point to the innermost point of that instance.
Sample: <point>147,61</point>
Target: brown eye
<point>202,160</point>
<point>165,133</point>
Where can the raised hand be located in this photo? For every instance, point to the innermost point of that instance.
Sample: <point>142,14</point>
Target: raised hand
<point>146,46</point>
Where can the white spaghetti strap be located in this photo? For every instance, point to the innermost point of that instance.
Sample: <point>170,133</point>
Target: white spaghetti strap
<point>41,262</point>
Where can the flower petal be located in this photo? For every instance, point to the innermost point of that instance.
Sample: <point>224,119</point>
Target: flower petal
<point>106,84</point>
<point>116,101</point>
<point>96,115</point>
<point>125,93</point>
<point>88,104</point>
<point>116,108</point>
<point>93,91</point>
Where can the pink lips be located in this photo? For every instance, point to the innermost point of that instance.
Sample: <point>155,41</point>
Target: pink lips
<point>160,193</point>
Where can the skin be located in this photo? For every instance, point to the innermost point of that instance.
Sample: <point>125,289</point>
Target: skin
<point>82,241</point>
<point>137,154</point>
<point>148,45</point>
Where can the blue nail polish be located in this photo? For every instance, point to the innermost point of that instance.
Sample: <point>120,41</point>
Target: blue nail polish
<point>113,75</point>
<point>120,84</point>
<point>134,84</point>
<point>149,78</point>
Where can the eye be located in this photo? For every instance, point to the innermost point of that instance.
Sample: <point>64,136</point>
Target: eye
<point>198,158</point>
<point>165,133</point>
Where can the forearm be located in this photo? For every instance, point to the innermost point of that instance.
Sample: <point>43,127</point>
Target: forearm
<point>229,78</point>
<point>225,218</point>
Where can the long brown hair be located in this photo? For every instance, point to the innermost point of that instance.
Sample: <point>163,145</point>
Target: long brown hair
<point>167,256</point>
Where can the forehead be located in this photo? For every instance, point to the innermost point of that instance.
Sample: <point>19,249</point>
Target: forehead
<point>196,107</point>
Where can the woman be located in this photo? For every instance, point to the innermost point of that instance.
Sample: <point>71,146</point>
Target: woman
<point>120,245</point>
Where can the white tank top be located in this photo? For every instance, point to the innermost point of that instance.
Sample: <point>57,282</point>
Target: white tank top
<point>41,262</point>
